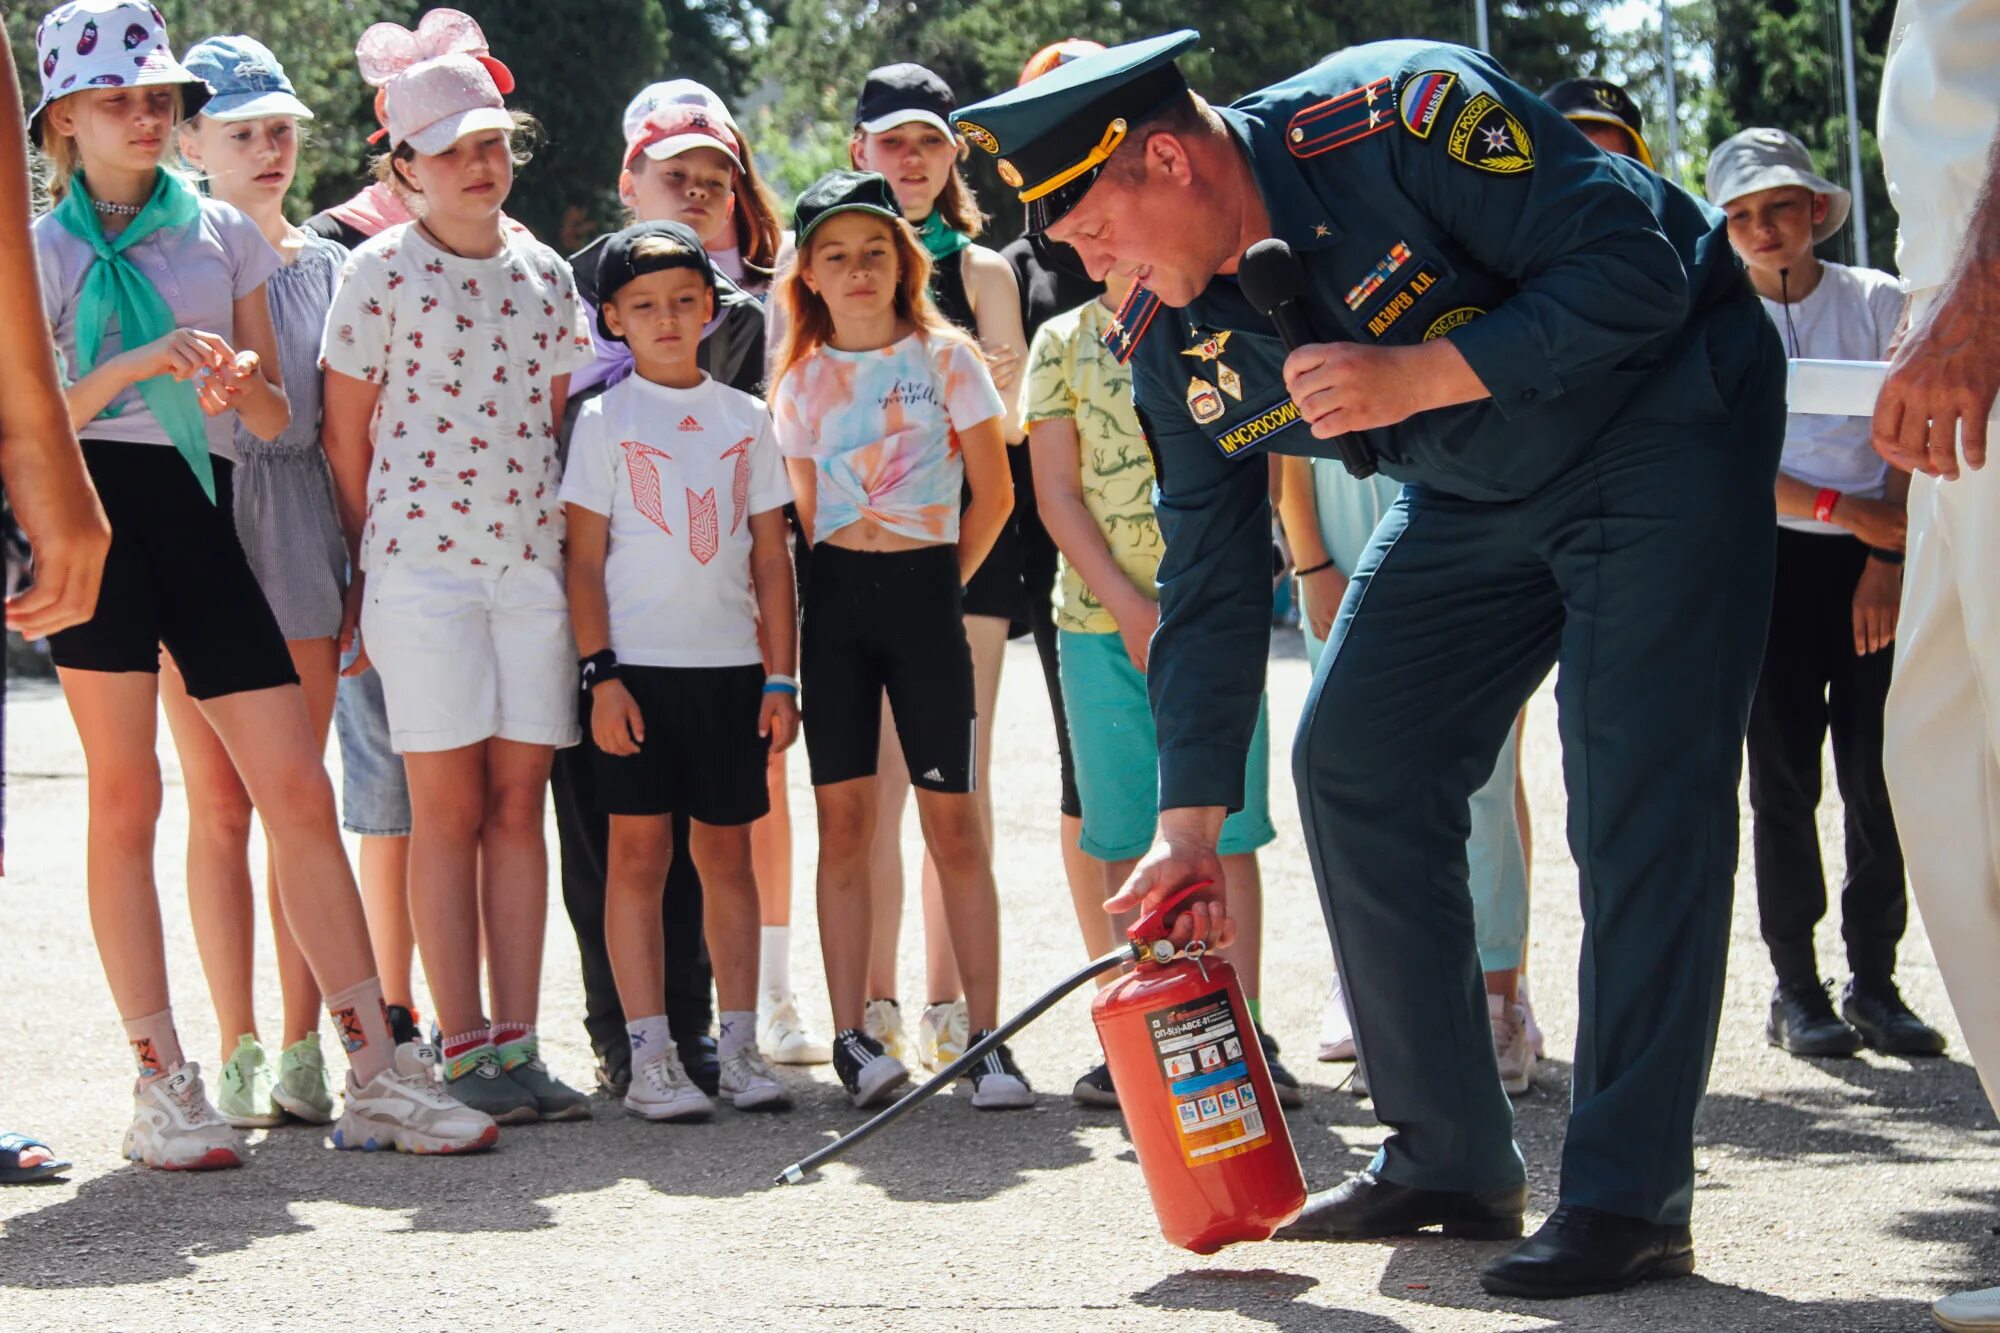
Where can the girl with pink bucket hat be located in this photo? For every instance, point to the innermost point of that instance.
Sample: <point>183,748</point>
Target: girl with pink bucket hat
<point>151,290</point>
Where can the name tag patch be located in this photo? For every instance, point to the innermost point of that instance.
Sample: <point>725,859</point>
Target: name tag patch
<point>1235,440</point>
<point>1404,299</point>
<point>1489,137</point>
<point>1452,319</point>
<point>1422,100</point>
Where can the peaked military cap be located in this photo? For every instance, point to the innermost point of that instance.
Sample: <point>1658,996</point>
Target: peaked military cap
<point>1053,134</point>
<point>1602,102</point>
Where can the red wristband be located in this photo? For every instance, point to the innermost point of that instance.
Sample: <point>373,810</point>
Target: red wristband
<point>1823,504</point>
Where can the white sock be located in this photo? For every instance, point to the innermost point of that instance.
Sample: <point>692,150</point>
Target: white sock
<point>650,1038</point>
<point>774,968</point>
<point>739,1029</point>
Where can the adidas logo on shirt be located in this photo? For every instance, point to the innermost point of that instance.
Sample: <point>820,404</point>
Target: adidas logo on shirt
<point>688,423</point>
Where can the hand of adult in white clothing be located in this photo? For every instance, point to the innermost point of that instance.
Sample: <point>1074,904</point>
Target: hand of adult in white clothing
<point>1944,377</point>
<point>1184,855</point>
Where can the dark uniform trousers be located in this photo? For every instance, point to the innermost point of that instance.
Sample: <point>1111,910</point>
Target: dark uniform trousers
<point>1643,573</point>
<point>1813,678</point>
<point>584,836</point>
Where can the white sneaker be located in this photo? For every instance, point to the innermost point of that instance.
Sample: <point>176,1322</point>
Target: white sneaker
<point>1357,1082</point>
<point>943,1034</point>
<point>883,1020</point>
<point>1535,1042</point>
<point>1969,1311</point>
<point>662,1090</point>
<point>750,1084</point>
<point>1336,1033</point>
<point>782,1032</point>
<point>404,1108</point>
<point>175,1128</point>
<point>1511,1046</point>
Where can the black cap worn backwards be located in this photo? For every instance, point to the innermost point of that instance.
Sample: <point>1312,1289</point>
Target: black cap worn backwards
<point>1053,134</point>
<point>842,192</point>
<point>898,94</point>
<point>618,265</point>
<point>1602,102</point>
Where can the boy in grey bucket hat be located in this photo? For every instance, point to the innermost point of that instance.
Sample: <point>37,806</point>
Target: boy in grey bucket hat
<point>1833,620</point>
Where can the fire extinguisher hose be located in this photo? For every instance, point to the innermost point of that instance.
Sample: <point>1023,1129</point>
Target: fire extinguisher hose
<point>797,1171</point>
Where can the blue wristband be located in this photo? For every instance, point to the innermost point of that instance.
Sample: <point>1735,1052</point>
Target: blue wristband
<point>781,687</point>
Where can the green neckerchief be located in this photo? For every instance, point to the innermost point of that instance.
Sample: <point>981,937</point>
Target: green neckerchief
<point>940,238</point>
<point>115,289</point>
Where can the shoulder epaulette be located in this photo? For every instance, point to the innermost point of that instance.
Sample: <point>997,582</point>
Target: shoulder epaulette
<point>1129,325</point>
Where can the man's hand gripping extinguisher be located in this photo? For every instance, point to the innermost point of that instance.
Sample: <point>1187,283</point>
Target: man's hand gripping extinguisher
<point>1192,1082</point>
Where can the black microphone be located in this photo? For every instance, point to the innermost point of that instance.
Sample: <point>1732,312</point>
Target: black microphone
<point>1274,282</point>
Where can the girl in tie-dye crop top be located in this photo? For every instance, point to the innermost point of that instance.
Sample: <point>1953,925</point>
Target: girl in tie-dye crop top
<point>882,430</point>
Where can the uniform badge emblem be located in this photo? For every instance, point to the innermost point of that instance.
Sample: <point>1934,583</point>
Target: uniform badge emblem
<point>979,137</point>
<point>1422,100</point>
<point>1488,137</point>
<point>1358,294</point>
<point>1204,400</point>
<point>1209,348</point>
<point>1229,381</point>
<point>1452,319</point>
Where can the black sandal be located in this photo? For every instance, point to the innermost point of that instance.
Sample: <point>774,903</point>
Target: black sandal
<point>12,1146</point>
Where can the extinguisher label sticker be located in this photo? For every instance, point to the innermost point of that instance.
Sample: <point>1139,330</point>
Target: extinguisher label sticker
<point>1199,1046</point>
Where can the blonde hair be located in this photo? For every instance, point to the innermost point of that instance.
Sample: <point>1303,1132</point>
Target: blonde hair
<point>62,159</point>
<point>809,324</point>
<point>956,202</point>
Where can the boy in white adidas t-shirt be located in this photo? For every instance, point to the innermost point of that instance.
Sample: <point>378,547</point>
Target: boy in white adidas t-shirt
<point>675,495</point>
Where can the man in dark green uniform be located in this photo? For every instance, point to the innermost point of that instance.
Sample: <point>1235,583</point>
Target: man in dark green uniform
<point>1558,354</point>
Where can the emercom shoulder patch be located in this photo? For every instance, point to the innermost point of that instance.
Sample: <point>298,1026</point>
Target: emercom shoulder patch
<point>1421,101</point>
<point>1489,137</point>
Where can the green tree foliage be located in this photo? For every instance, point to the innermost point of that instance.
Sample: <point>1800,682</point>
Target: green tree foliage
<point>1777,62</point>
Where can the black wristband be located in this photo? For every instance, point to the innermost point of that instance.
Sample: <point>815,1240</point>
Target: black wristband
<point>1885,555</point>
<point>597,668</point>
<point>1302,573</point>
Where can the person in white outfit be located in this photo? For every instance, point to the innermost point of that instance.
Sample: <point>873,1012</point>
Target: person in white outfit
<point>1939,115</point>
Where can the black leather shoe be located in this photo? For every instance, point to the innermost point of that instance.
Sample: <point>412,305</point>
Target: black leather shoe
<point>1876,1010</point>
<point>1803,1022</point>
<point>1366,1207</point>
<point>1582,1252</point>
<point>1290,1095</point>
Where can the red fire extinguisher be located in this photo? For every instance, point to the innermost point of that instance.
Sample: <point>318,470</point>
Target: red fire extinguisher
<point>1196,1092</point>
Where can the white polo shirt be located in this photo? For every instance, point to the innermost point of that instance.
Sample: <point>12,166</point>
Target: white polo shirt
<point>1940,107</point>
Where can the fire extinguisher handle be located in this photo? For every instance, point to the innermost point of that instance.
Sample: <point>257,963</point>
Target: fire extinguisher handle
<point>1157,924</point>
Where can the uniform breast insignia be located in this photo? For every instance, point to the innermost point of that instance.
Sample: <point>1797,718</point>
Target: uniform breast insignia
<point>1204,400</point>
<point>1339,121</point>
<point>1452,319</point>
<point>1226,379</point>
<point>1489,137</point>
<point>1229,381</point>
<point>1422,100</point>
<point>1238,438</point>
<point>1358,294</point>
<point>1129,325</point>
<point>1402,300</point>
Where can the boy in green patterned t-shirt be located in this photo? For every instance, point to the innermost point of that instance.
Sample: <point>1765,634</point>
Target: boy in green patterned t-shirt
<point>1094,487</point>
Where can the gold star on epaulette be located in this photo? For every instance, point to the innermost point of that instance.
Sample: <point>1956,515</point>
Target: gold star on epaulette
<point>1321,230</point>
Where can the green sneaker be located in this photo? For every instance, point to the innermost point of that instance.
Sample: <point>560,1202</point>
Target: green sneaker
<point>302,1089</point>
<point>555,1099</point>
<point>245,1088</point>
<point>477,1081</point>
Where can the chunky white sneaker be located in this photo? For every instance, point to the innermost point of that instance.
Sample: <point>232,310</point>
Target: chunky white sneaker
<point>1511,1046</point>
<point>750,1084</point>
<point>662,1090</point>
<point>784,1034</point>
<point>942,1034</point>
<point>883,1020</point>
<point>1535,1042</point>
<point>175,1128</point>
<point>404,1108</point>
<point>1969,1311</point>
<point>1336,1032</point>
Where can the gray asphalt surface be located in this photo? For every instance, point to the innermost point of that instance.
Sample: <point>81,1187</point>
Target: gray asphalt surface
<point>1838,1195</point>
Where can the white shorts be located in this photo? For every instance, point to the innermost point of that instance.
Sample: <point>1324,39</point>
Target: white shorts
<point>468,654</point>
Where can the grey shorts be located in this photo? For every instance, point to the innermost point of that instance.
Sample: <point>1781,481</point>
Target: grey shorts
<point>374,793</point>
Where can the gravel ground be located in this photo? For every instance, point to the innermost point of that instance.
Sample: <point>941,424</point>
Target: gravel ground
<point>1838,1195</point>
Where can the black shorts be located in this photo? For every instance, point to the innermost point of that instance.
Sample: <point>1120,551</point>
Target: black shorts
<point>702,756</point>
<point>888,620</point>
<point>176,575</point>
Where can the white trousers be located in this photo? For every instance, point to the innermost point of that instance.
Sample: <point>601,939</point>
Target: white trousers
<point>1942,748</point>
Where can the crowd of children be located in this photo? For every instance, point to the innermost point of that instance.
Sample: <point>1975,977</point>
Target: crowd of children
<point>512,524</point>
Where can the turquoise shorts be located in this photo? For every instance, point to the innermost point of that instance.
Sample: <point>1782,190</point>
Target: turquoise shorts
<point>1118,756</point>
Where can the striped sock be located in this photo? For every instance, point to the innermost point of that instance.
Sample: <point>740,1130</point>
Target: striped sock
<point>461,1052</point>
<point>516,1042</point>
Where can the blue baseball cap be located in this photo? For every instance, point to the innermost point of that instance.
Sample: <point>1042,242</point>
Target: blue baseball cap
<point>247,80</point>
